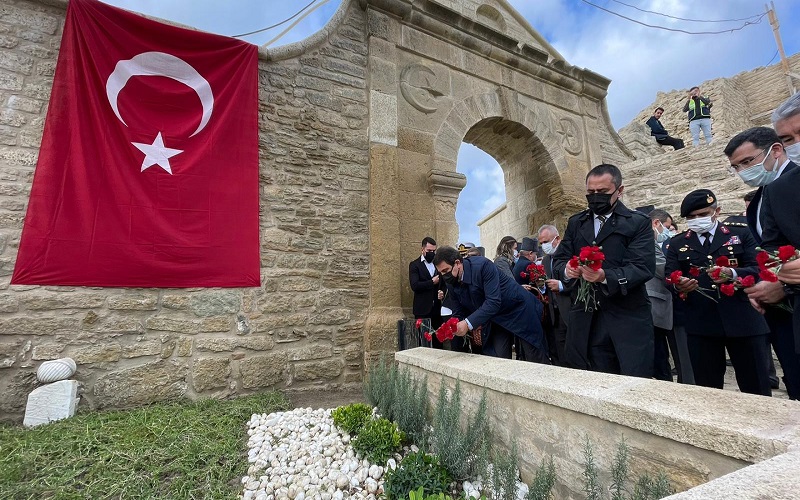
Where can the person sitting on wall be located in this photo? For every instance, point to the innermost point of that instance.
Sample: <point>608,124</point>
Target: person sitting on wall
<point>660,133</point>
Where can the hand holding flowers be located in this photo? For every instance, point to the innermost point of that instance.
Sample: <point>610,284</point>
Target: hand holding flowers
<point>588,266</point>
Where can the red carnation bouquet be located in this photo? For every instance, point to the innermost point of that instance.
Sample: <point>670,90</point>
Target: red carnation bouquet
<point>535,275</point>
<point>675,277</point>
<point>770,263</point>
<point>591,257</point>
<point>445,332</point>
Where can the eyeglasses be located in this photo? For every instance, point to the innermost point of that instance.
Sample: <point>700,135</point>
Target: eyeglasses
<point>747,162</point>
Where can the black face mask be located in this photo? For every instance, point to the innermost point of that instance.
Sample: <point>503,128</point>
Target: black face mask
<point>429,256</point>
<point>600,203</point>
<point>450,279</point>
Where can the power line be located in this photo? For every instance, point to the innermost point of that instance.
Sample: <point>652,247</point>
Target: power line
<point>746,24</point>
<point>276,25</point>
<point>684,18</point>
<point>773,58</point>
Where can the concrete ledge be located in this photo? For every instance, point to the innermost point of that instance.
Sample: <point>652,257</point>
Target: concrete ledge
<point>700,434</point>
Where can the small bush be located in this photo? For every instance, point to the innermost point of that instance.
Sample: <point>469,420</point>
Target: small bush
<point>619,472</point>
<point>591,483</point>
<point>417,473</point>
<point>377,440</point>
<point>542,486</point>
<point>505,473</point>
<point>351,418</point>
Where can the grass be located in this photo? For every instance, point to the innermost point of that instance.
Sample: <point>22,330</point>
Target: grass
<point>172,450</point>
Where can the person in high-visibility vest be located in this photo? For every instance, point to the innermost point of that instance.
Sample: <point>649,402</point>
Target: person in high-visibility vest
<point>699,113</point>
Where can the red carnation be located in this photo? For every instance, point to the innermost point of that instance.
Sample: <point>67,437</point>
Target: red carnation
<point>767,276</point>
<point>683,296</point>
<point>597,255</point>
<point>419,322</point>
<point>574,262</point>
<point>531,268</point>
<point>595,265</point>
<point>447,330</point>
<point>786,253</point>
<point>585,253</point>
<point>722,261</point>
<point>747,281</point>
<point>694,271</point>
<point>523,275</point>
<point>763,258</point>
<point>715,273</point>
<point>728,289</point>
<point>674,277</point>
<point>428,336</point>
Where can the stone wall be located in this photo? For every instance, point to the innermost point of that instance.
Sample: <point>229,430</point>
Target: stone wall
<point>302,330</point>
<point>694,434</point>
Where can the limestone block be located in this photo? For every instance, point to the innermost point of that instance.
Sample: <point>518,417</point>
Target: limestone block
<point>263,370</point>
<point>51,402</point>
<point>142,348</point>
<point>383,118</point>
<point>210,373</point>
<point>326,370</point>
<point>133,302</point>
<point>138,385</point>
<point>310,352</point>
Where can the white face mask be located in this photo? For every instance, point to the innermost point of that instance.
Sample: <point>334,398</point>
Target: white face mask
<point>664,235</point>
<point>757,175</point>
<point>548,248</point>
<point>793,152</point>
<point>701,225</point>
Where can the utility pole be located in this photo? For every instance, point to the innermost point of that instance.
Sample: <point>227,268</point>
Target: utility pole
<point>773,21</point>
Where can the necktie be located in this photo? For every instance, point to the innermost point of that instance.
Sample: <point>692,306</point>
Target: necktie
<point>707,242</point>
<point>602,219</point>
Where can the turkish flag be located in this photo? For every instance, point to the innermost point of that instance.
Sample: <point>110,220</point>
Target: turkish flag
<point>148,170</point>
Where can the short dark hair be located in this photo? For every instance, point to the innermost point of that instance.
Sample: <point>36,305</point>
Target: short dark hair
<point>760,137</point>
<point>750,195</point>
<point>428,240</point>
<point>695,87</point>
<point>659,214</point>
<point>662,109</point>
<point>446,254</point>
<point>606,168</point>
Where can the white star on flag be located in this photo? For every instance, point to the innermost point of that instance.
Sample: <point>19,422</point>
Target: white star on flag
<point>156,154</point>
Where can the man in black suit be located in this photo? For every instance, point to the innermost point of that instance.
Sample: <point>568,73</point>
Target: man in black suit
<point>660,133</point>
<point>780,210</point>
<point>425,282</point>
<point>558,301</point>
<point>614,333</point>
<point>758,157</point>
<point>726,322</point>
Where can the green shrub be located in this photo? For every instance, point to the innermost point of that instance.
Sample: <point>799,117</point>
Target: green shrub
<point>418,473</point>
<point>505,473</point>
<point>351,418</point>
<point>619,471</point>
<point>542,486</point>
<point>379,388</point>
<point>377,440</point>
<point>591,482</point>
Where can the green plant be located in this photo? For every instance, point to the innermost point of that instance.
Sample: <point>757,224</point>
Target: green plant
<point>410,406</point>
<point>542,486</point>
<point>591,484</point>
<point>418,472</point>
<point>378,439</point>
<point>351,418</point>
<point>464,454</point>
<point>649,489</point>
<point>505,472</point>
<point>379,390</point>
<point>619,471</point>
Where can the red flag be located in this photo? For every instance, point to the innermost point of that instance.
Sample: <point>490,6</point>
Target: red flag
<point>148,170</point>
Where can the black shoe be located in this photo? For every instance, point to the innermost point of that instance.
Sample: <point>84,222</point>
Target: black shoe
<point>773,382</point>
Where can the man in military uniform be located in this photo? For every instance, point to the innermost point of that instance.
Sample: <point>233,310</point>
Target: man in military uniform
<point>729,323</point>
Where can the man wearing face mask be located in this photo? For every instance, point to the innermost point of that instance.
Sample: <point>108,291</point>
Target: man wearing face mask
<point>726,322</point>
<point>492,306</point>
<point>558,298</point>
<point>615,334</point>
<point>780,210</point>
<point>744,152</point>
<point>426,284</point>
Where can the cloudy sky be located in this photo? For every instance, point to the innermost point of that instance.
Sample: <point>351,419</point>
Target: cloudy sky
<point>639,60</point>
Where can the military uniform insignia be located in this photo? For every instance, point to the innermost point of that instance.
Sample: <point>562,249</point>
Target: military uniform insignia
<point>733,240</point>
<point>725,230</point>
<point>688,235</point>
<point>733,262</point>
<point>710,199</point>
<point>684,249</point>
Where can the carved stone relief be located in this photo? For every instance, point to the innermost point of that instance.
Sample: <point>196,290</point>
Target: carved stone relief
<point>418,90</point>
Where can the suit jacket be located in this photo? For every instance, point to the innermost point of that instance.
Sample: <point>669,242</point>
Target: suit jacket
<point>520,267</point>
<point>729,316</point>
<point>660,296</point>
<point>485,296</point>
<point>426,303</point>
<point>780,214</point>
<point>656,129</point>
<point>627,241</point>
<point>559,301</point>
<point>752,209</point>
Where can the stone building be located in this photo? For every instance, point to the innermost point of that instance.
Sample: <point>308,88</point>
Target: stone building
<point>359,130</point>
